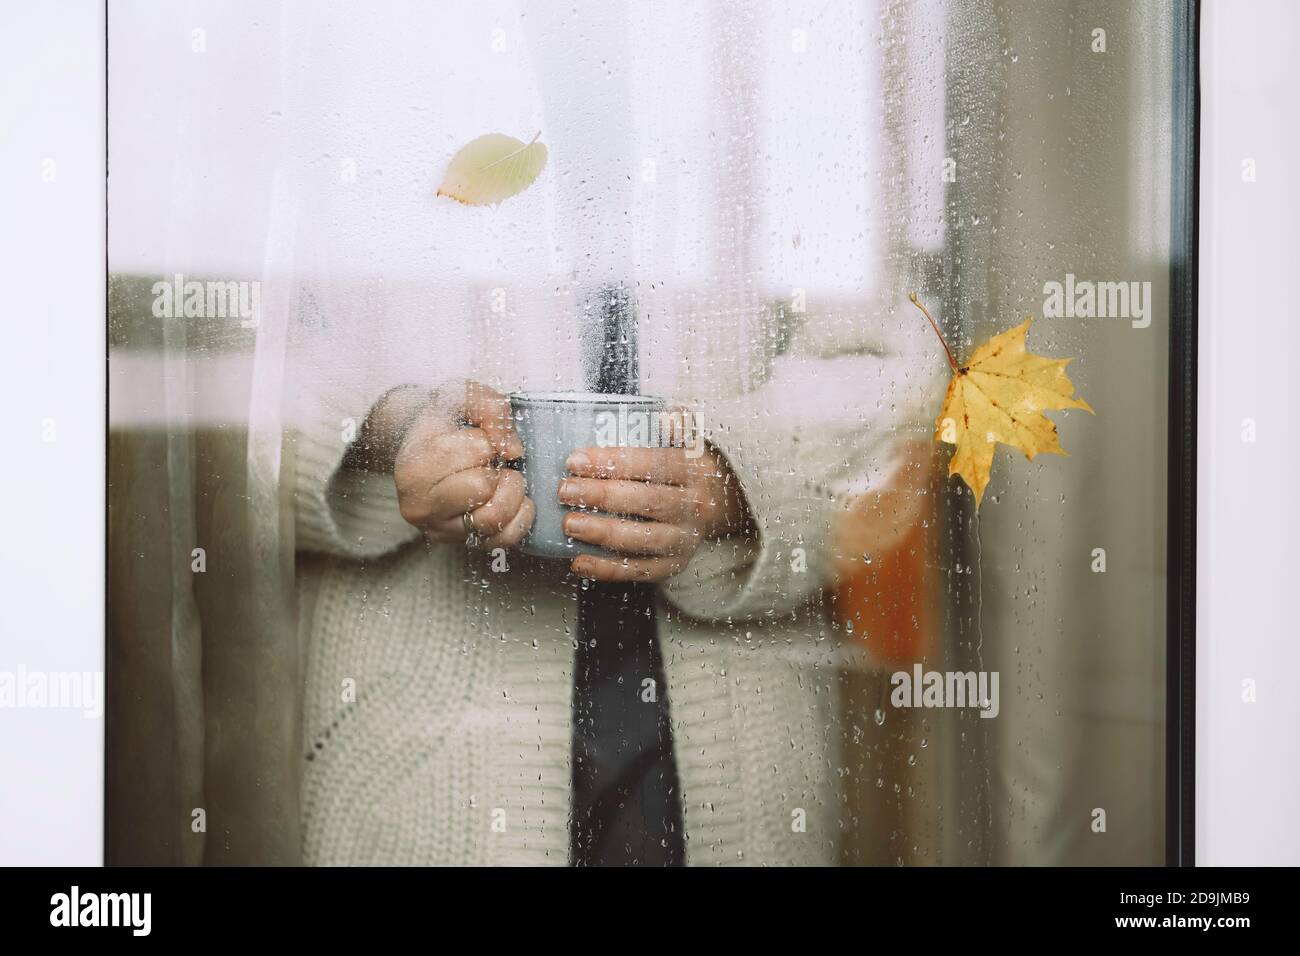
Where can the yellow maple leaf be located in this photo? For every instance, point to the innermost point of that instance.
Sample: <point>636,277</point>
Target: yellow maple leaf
<point>491,168</point>
<point>999,396</point>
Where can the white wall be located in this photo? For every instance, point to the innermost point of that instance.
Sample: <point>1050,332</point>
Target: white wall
<point>1248,753</point>
<point>52,390</point>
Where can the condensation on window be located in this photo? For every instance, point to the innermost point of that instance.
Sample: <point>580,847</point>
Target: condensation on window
<point>341,635</point>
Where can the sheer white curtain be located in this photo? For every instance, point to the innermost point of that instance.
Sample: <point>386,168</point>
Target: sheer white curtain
<point>722,161</point>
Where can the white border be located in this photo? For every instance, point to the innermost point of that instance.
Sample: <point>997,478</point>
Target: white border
<point>1248,515</point>
<point>52,387</point>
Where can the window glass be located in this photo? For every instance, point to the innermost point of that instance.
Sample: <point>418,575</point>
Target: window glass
<point>350,616</point>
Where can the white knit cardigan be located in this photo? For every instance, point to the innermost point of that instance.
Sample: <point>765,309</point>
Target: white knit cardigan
<point>437,715</point>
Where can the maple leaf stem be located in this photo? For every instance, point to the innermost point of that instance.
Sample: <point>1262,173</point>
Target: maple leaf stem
<point>934,325</point>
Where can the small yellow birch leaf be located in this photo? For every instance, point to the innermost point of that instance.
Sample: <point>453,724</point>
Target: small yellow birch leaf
<point>492,168</point>
<point>999,396</point>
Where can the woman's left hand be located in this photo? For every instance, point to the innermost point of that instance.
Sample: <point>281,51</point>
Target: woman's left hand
<point>684,500</point>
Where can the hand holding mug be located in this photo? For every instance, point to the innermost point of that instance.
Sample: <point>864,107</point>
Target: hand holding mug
<point>681,501</point>
<point>447,452</point>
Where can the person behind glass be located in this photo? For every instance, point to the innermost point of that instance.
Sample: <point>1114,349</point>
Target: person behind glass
<point>457,745</point>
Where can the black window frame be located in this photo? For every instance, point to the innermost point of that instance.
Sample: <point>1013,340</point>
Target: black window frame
<point>1180,621</point>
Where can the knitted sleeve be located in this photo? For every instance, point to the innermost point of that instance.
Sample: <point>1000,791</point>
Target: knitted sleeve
<point>818,432</point>
<point>340,510</point>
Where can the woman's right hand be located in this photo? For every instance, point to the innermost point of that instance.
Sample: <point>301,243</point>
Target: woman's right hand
<point>448,451</point>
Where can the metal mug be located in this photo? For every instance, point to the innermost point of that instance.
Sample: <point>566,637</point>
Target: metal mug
<point>551,425</point>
